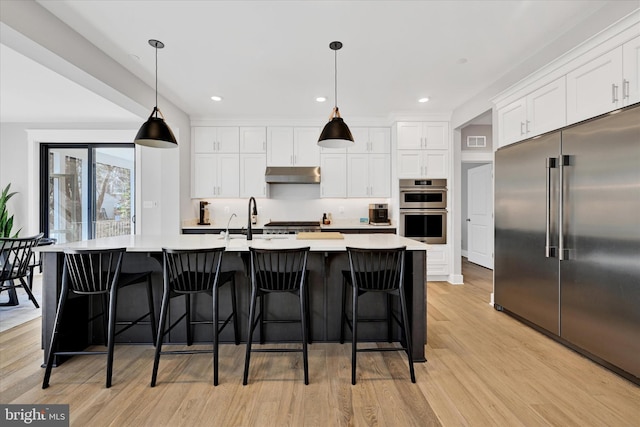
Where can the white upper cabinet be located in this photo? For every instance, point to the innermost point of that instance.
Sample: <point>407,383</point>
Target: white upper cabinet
<point>224,139</point>
<point>252,168</point>
<point>333,175</point>
<point>631,72</point>
<point>253,139</point>
<point>370,140</point>
<point>216,175</point>
<point>288,146</point>
<point>595,87</point>
<point>605,83</point>
<point>423,135</point>
<point>423,164</point>
<point>539,112</point>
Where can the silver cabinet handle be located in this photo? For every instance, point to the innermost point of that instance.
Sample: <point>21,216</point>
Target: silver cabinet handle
<point>291,159</point>
<point>295,159</point>
<point>625,89</point>
<point>527,126</point>
<point>521,128</point>
<point>549,251</point>
<point>614,93</point>
<point>264,145</point>
<point>562,251</point>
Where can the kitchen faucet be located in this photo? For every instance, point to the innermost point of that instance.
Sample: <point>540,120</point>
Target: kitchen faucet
<point>226,234</point>
<point>255,212</point>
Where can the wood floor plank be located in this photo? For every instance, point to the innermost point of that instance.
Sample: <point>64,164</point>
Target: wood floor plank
<point>483,368</point>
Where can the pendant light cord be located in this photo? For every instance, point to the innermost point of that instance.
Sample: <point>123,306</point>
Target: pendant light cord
<point>156,81</point>
<point>335,83</point>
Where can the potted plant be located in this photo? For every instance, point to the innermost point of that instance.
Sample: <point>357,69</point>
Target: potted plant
<point>6,221</point>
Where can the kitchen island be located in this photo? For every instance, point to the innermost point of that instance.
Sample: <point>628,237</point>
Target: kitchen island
<point>327,260</point>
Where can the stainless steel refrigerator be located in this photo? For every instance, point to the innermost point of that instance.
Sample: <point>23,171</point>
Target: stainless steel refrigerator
<point>567,236</point>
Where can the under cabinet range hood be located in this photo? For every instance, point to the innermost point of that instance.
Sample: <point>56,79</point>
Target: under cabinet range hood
<point>292,175</point>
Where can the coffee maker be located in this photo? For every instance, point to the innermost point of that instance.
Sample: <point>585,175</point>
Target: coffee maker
<point>379,214</point>
<point>204,214</point>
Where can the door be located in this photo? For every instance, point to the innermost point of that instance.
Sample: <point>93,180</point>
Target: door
<point>600,296</point>
<point>526,280</point>
<point>88,191</point>
<point>480,215</point>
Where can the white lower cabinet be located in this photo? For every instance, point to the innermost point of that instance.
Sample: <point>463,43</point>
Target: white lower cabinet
<point>423,163</point>
<point>333,175</point>
<point>437,260</point>
<point>252,169</point>
<point>216,175</point>
<point>369,175</point>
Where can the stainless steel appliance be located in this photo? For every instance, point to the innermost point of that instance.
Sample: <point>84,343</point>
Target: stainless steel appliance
<point>204,214</point>
<point>291,227</point>
<point>379,214</point>
<point>423,213</point>
<point>567,236</point>
<point>423,194</point>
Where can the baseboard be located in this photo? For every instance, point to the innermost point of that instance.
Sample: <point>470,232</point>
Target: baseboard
<point>456,279</point>
<point>464,253</point>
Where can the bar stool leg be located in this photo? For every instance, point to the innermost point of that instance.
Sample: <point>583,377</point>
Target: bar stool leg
<point>152,311</point>
<point>187,302</point>
<point>163,319</point>
<point>113,297</point>
<point>234,307</point>
<point>354,337</point>
<point>54,337</point>
<point>252,311</point>
<point>407,333</point>
<point>303,317</point>
<point>389,323</point>
<point>343,314</point>
<point>215,335</point>
<point>263,297</point>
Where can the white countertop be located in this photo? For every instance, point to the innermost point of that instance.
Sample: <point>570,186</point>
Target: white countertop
<point>238,223</point>
<point>238,243</point>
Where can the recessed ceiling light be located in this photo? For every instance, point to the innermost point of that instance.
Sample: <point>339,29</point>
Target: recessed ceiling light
<point>423,100</point>
<point>321,99</point>
<point>216,98</point>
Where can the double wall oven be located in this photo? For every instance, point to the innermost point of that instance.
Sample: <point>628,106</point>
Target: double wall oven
<point>423,210</point>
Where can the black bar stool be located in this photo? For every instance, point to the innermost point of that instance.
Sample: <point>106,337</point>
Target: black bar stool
<point>380,271</point>
<point>15,256</point>
<point>273,272</point>
<point>90,272</point>
<point>189,272</point>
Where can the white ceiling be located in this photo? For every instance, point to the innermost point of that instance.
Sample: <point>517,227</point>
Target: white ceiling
<point>270,59</point>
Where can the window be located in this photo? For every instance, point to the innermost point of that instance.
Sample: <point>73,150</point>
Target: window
<point>87,191</point>
<point>476,141</point>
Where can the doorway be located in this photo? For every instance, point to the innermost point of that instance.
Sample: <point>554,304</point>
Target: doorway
<point>479,218</point>
<point>87,191</point>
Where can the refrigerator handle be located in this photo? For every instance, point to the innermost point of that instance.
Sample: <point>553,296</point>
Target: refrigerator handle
<point>562,251</point>
<point>549,251</point>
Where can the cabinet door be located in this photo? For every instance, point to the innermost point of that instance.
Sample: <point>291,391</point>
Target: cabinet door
<point>511,122</point>
<point>361,141</point>
<point>306,151</point>
<point>333,168</point>
<point>280,146</point>
<point>228,139</point>
<point>546,108</point>
<point>595,87</point>
<point>204,139</point>
<point>252,168</point>
<point>228,175</point>
<point>410,164</point>
<point>379,175</point>
<point>410,136</point>
<point>358,175</point>
<point>253,139</point>
<point>631,72</point>
<point>436,164</point>
<point>204,176</point>
<point>436,135</point>
<point>379,140</point>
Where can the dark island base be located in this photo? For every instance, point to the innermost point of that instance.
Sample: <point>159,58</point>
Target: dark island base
<point>325,281</point>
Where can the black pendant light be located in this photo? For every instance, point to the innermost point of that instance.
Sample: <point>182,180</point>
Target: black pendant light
<point>336,133</point>
<point>155,132</point>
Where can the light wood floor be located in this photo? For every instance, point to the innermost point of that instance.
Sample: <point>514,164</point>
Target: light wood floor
<point>484,369</point>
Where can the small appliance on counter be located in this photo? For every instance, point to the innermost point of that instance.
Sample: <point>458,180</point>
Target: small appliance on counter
<point>204,214</point>
<point>379,214</point>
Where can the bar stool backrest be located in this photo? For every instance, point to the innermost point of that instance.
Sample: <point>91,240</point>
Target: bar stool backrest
<point>377,269</point>
<point>15,255</point>
<point>278,270</point>
<point>92,271</point>
<point>193,270</point>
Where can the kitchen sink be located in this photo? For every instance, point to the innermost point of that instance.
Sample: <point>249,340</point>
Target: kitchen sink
<point>258,236</point>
